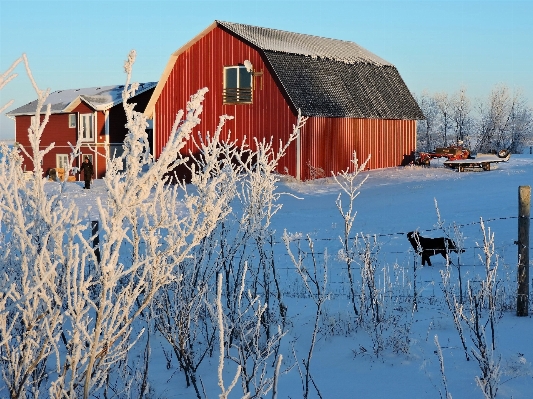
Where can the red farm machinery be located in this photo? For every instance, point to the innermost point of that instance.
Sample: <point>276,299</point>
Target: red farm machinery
<point>460,158</point>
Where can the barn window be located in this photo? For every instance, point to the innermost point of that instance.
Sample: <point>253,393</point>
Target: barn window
<point>86,127</point>
<point>237,85</point>
<point>72,120</point>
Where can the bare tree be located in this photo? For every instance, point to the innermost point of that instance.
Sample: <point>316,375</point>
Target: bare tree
<point>426,128</point>
<point>438,352</point>
<point>520,130</point>
<point>444,106</point>
<point>503,121</point>
<point>460,114</point>
<point>7,77</point>
<point>494,119</point>
<point>30,312</point>
<point>240,247</point>
<point>251,348</point>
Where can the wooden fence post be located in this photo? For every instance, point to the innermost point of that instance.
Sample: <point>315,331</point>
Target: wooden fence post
<point>524,205</point>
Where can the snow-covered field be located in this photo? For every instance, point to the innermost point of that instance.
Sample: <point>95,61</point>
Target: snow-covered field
<point>391,203</point>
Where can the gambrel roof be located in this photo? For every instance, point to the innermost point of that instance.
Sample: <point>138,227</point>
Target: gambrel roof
<point>322,77</point>
<point>98,98</point>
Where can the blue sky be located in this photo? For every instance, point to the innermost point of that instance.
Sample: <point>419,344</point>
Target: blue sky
<point>437,46</point>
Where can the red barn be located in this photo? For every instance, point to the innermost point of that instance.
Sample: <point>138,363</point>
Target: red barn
<point>355,100</point>
<point>93,115</point>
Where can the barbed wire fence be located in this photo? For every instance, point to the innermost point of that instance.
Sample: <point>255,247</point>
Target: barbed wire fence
<point>407,259</point>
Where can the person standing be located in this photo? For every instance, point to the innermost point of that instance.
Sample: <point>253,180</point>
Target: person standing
<point>87,168</point>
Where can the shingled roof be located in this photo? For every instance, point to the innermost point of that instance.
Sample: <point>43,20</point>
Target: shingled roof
<point>98,98</point>
<point>329,77</point>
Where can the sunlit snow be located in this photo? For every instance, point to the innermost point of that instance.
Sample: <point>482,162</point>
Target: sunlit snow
<point>392,202</point>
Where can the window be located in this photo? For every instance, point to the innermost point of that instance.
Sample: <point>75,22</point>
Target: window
<point>86,127</point>
<point>72,120</point>
<point>90,156</point>
<point>62,161</point>
<point>237,85</point>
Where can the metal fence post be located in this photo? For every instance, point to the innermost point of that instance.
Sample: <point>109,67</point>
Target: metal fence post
<point>524,205</point>
<point>96,239</point>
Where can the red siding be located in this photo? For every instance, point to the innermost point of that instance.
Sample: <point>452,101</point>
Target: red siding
<point>327,143</point>
<point>57,123</point>
<point>202,66</point>
<point>57,131</point>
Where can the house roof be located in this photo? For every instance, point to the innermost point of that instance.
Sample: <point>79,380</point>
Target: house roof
<point>320,76</point>
<point>98,98</point>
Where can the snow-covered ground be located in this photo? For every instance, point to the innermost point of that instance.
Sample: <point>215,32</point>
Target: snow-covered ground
<point>391,203</point>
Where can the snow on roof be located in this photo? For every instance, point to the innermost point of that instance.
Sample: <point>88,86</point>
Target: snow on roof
<point>321,77</point>
<point>99,98</point>
<point>308,45</point>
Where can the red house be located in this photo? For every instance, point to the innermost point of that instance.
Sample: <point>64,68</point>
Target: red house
<point>94,115</point>
<point>355,100</point>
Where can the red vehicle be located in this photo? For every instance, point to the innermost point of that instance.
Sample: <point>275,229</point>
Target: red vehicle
<point>452,153</point>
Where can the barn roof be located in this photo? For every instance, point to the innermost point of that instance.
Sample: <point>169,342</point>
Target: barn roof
<point>335,89</point>
<point>98,98</point>
<point>307,45</point>
<point>320,76</point>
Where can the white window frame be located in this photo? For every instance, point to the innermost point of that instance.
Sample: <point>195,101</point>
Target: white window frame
<point>235,98</point>
<point>72,121</point>
<point>82,134</point>
<point>62,161</point>
<point>91,158</point>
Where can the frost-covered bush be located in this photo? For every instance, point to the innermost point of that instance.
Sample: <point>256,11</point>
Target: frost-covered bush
<point>377,293</point>
<point>67,317</point>
<point>314,275</point>
<point>476,319</point>
<point>240,249</point>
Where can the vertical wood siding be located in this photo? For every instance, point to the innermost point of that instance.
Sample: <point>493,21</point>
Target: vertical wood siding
<point>327,143</point>
<point>201,66</point>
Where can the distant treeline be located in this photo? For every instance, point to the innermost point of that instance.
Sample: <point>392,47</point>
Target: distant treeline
<point>502,121</point>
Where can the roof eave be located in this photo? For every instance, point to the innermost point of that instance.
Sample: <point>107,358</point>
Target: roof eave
<point>15,114</point>
<point>73,104</point>
<point>105,106</point>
